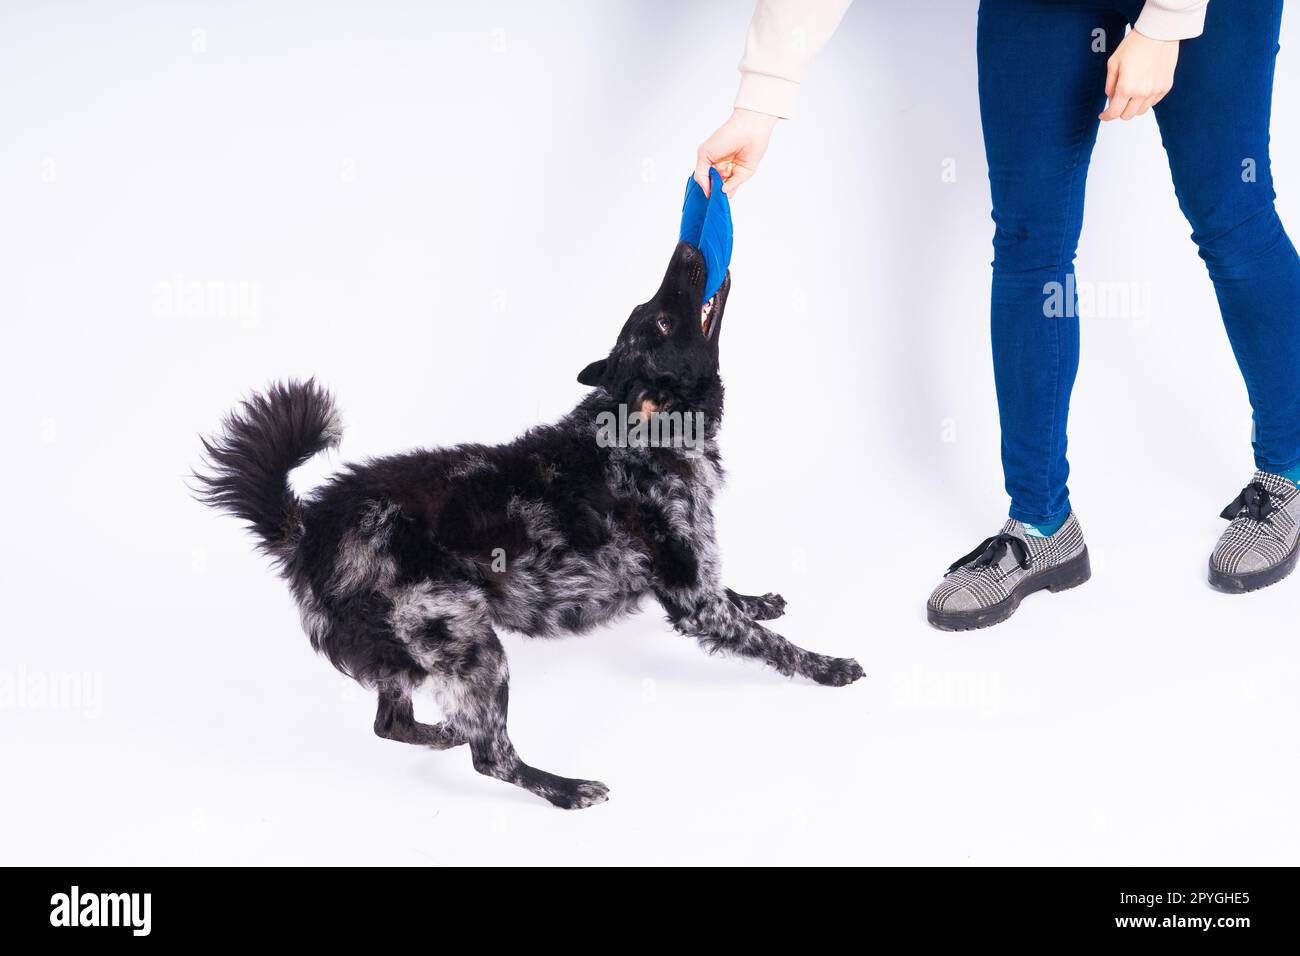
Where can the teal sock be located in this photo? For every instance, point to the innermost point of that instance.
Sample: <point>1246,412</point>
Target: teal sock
<point>1292,476</point>
<point>1043,530</point>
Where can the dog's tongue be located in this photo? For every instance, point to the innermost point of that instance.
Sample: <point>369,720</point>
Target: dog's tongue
<point>706,224</point>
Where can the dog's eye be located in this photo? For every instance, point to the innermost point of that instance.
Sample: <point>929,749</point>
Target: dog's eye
<point>665,324</point>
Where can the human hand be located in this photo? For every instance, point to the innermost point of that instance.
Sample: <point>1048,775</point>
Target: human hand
<point>734,150</point>
<point>1138,75</point>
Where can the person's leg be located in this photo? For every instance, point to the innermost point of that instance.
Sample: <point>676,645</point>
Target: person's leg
<point>1215,127</point>
<point>1042,72</point>
<point>1042,77</point>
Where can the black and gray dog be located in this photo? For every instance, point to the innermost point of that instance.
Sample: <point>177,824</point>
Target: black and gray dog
<point>404,566</point>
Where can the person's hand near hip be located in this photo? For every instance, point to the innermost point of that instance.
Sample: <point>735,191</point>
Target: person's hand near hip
<point>1138,75</point>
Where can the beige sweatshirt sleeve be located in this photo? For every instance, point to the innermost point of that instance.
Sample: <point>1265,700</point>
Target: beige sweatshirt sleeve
<point>1172,19</point>
<point>784,37</point>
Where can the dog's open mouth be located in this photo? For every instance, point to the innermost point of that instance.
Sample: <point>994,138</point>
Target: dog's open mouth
<point>706,316</point>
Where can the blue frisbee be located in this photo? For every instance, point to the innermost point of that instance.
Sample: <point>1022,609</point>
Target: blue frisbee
<point>706,224</point>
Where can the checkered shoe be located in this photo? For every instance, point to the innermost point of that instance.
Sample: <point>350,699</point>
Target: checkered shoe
<point>986,586</point>
<point>1262,542</point>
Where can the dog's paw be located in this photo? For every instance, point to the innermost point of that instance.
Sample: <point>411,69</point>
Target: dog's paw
<point>837,671</point>
<point>768,607</point>
<point>577,794</point>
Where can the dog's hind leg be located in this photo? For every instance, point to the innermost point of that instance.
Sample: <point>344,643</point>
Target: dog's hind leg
<point>762,607</point>
<point>468,666</point>
<point>395,720</point>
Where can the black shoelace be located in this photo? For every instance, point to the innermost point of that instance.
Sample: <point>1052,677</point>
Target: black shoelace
<point>1254,500</point>
<point>991,550</point>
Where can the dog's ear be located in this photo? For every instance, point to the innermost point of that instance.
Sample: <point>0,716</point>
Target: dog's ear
<point>594,373</point>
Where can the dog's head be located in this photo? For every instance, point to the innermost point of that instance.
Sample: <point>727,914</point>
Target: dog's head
<point>666,357</point>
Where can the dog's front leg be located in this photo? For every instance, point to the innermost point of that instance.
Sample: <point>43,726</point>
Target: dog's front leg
<point>686,580</point>
<point>761,607</point>
<point>721,625</point>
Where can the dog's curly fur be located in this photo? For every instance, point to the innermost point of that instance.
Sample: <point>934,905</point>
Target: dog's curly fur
<point>404,566</point>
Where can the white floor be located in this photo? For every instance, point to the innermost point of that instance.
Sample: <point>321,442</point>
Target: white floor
<point>1140,719</point>
<point>444,212</point>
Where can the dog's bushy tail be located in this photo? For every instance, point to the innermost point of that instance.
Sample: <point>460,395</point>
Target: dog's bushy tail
<point>246,471</point>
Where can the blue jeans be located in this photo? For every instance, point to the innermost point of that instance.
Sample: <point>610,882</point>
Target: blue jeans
<point>1041,85</point>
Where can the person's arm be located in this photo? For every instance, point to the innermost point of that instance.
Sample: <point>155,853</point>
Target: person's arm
<point>1141,71</point>
<point>784,37</point>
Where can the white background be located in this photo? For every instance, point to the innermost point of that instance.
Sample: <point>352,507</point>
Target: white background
<point>444,211</point>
